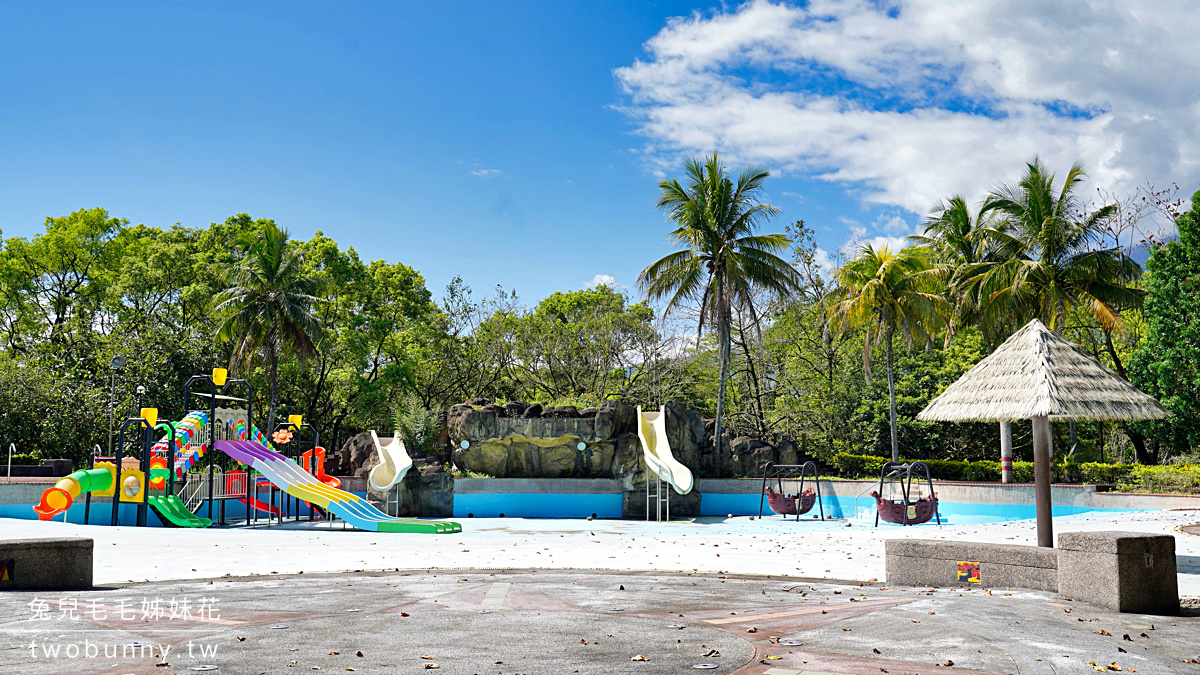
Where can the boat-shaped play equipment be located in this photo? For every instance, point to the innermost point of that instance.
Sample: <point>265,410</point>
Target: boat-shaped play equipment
<point>787,503</point>
<point>910,508</point>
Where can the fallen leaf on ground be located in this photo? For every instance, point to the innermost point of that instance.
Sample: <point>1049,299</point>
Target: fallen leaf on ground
<point>358,654</point>
<point>334,653</point>
<point>403,613</point>
<point>639,657</point>
<point>241,639</point>
<point>876,650</point>
<point>427,657</point>
<point>712,652</point>
<point>431,666</point>
<point>752,629</point>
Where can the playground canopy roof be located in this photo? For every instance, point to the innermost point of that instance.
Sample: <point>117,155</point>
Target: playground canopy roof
<point>219,397</point>
<point>1037,373</point>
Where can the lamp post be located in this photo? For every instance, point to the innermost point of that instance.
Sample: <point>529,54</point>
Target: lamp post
<point>118,362</point>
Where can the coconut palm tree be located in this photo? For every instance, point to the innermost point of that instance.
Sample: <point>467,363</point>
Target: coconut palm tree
<point>267,307</point>
<point>885,292</point>
<point>721,261</point>
<point>1048,257</point>
<point>956,239</point>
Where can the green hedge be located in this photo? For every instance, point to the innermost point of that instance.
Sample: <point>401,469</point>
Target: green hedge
<point>1127,477</point>
<point>868,466</point>
<point>21,459</point>
<point>1183,478</point>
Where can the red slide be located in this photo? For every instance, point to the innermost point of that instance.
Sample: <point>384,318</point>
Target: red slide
<point>262,506</point>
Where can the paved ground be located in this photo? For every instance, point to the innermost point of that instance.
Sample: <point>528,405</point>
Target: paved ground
<point>740,545</point>
<point>576,622</point>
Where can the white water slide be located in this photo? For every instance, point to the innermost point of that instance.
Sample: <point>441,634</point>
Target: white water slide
<point>394,462</point>
<point>652,430</point>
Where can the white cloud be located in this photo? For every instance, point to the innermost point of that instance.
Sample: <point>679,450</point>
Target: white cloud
<point>604,280</point>
<point>943,98</point>
<point>824,262</point>
<point>485,172</point>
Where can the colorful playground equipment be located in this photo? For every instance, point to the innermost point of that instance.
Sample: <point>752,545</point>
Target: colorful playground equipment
<point>911,508</point>
<point>58,499</point>
<point>794,503</point>
<point>319,454</point>
<point>286,475</point>
<point>656,451</point>
<point>166,475</point>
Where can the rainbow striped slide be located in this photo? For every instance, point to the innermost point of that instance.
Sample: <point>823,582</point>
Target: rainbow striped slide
<point>286,475</point>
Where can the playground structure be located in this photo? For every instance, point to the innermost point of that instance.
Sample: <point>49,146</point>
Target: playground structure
<point>667,471</point>
<point>910,509</point>
<point>785,503</point>
<point>172,468</point>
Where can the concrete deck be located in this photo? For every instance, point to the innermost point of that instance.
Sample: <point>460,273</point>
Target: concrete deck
<point>577,622</point>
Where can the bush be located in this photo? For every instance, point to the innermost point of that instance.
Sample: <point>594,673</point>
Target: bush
<point>23,459</point>
<point>1183,478</point>
<point>868,466</point>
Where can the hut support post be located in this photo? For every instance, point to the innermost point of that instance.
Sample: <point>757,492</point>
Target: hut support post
<point>1041,478</point>
<point>1006,465</point>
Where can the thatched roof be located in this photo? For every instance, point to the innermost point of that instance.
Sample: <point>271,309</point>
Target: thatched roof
<point>1034,373</point>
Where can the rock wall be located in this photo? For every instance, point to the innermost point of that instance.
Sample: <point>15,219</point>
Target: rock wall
<point>522,440</point>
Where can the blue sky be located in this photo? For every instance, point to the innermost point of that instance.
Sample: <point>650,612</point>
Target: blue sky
<point>520,143</point>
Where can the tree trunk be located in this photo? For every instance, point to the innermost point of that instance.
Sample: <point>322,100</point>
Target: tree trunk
<point>1139,445</point>
<point>892,396</point>
<point>724,340</point>
<point>272,372</point>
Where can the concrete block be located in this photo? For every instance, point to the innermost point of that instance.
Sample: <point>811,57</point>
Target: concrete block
<point>1125,571</point>
<point>46,564</point>
<point>924,562</point>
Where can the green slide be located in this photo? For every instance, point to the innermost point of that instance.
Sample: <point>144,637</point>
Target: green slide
<point>174,512</point>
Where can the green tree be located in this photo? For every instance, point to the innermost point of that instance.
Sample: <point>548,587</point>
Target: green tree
<point>1167,365</point>
<point>885,292</point>
<point>268,306</point>
<point>722,261</point>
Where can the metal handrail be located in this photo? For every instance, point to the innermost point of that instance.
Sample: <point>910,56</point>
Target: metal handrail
<point>872,486</point>
<point>12,447</point>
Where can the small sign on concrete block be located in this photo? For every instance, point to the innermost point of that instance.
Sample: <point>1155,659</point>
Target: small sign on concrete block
<point>969,572</point>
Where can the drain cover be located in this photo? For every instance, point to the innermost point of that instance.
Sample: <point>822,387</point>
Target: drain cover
<point>279,626</point>
<point>705,666</point>
<point>616,609</point>
<point>483,611</point>
<point>354,610</point>
<point>789,643</point>
<point>204,667</point>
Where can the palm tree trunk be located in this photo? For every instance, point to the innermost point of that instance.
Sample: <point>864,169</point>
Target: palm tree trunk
<point>723,329</point>
<point>272,372</point>
<point>892,395</point>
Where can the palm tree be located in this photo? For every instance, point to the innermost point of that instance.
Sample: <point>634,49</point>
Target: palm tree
<point>956,239</point>
<point>1048,258</point>
<point>886,292</point>
<point>267,307</point>
<point>722,261</point>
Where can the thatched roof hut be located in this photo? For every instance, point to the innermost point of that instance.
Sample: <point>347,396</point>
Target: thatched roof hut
<point>1036,373</point>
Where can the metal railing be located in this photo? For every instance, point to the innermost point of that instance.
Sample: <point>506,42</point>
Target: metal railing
<point>12,448</point>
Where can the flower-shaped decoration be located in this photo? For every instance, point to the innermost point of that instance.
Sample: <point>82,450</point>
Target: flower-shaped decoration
<point>282,437</point>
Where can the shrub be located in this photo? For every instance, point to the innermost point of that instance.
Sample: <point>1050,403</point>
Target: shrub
<point>868,466</point>
<point>1183,478</point>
